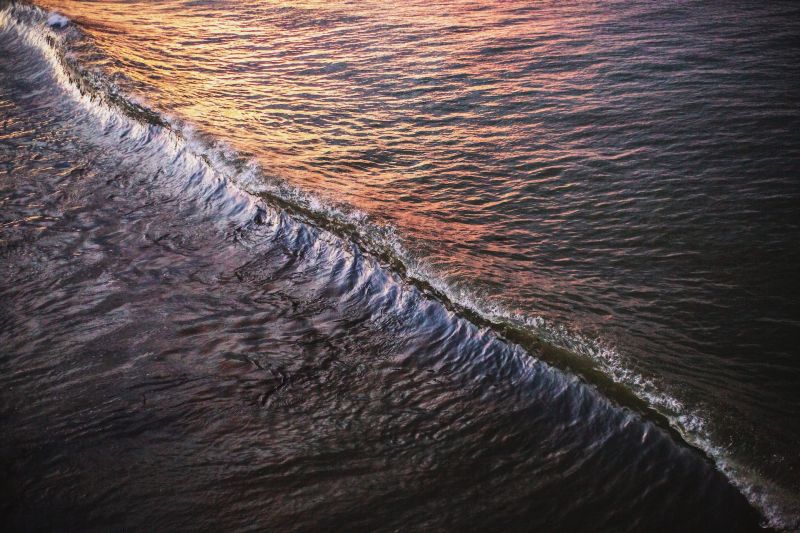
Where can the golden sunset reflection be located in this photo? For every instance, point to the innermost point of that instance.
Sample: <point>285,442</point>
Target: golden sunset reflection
<point>299,95</point>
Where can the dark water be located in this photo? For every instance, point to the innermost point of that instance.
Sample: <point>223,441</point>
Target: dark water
<point>476,266</point>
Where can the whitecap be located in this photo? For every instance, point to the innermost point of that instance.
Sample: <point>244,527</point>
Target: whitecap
<point>56,20</point>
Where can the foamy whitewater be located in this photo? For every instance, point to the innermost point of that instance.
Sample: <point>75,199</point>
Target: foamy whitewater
<point>591,403</point>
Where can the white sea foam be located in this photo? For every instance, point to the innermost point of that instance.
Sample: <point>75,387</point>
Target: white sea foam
<point>56,20</point>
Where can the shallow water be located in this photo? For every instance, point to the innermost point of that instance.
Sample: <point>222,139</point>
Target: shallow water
<point>365,267</point>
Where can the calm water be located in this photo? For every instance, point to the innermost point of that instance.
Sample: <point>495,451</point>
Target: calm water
<point>366,266</point>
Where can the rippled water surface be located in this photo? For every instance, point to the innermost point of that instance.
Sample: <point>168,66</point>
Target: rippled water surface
<point>359,265</point>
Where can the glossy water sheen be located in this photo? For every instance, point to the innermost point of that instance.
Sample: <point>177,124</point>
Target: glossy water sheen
<point>316,284</point>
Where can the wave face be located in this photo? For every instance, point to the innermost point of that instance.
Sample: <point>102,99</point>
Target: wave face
<point>298,338</point>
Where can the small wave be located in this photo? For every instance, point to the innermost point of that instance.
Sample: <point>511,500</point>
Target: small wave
<point>219,171</point>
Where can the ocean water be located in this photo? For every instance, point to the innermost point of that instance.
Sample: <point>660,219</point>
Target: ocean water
<point>464,266</point>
